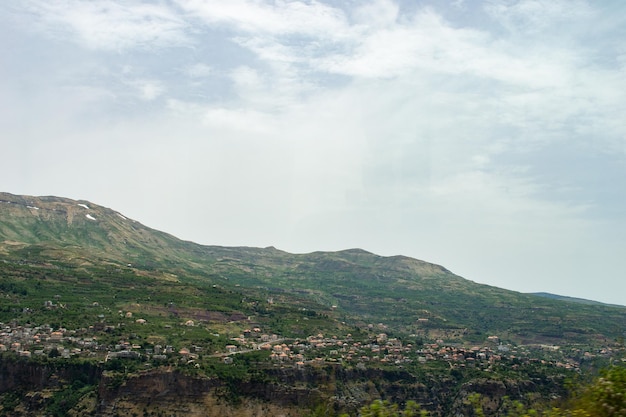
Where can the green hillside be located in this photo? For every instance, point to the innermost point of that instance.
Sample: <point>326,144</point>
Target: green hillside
<point>101,315</point>
<point>352,286</point>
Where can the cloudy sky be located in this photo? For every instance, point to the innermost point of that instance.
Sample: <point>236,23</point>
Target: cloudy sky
<point>485,136</point>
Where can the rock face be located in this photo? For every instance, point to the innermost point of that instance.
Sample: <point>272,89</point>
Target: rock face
<point>178,394</point>
<point>19,375</point>
<point>277,392</point>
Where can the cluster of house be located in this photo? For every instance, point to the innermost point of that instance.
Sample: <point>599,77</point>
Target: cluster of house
<point>29,341</point>
<point>320,349</point>
<point>385,350</point>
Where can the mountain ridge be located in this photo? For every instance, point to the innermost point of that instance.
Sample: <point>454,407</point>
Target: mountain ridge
<point>409,295</point>
<point>31,202</point>
<point>573,299</point>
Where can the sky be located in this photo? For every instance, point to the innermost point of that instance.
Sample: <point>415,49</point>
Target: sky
<point>485,136</point>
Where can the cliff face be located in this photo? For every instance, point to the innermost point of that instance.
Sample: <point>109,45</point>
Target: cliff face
<point>178,394</point>
<point>35,388</point>
<point>286,392</point>
<point>18,375</point>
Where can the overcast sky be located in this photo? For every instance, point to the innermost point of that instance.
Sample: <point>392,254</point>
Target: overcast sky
<point>485,136</point>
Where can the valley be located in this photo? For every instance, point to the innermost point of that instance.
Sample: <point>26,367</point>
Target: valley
<point>143,317</point>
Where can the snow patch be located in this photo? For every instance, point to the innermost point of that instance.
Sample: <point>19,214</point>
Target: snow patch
<point>84,206</point>
<point>32,207</point>
<point>90,217</point>
<point>121,216</point>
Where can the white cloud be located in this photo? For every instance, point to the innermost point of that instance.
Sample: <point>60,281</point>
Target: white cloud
<point>277,18</point>
<point>298,38</point>
<point>426,42</point>
<point>239,121</point>
<point>108,24</point>
<point>378,13</point>
<point>198,70</point>
<point>533,16</point>
<point>147,90</point>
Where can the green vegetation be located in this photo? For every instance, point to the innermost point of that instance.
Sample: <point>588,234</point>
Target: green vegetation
<point>354,286</point>
<point>385,409</point>
<point>66,399</point>
<point>605,396</point>
<point>118,301</point>
<point>378,408</point>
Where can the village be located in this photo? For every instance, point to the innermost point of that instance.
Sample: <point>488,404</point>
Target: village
<point>379,350</point>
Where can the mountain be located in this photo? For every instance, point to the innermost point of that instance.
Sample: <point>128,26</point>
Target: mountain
<point>101,315</point>
<point>352,286</point>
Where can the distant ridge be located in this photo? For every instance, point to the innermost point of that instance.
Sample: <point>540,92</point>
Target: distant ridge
<point>572,299</point>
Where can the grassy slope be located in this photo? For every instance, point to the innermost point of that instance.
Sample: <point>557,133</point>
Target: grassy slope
<point>365,288</point>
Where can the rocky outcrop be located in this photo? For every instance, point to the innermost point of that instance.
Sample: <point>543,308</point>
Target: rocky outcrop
<point>274,391</point>
<point>18,375</point>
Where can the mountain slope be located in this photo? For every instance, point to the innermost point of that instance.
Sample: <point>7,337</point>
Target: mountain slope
<point>80,227</point>
<point>355,286</point>
<point>572,299</point>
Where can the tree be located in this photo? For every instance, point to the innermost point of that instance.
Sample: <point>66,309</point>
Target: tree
<point>381,408</point>
<point>606,397</point>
